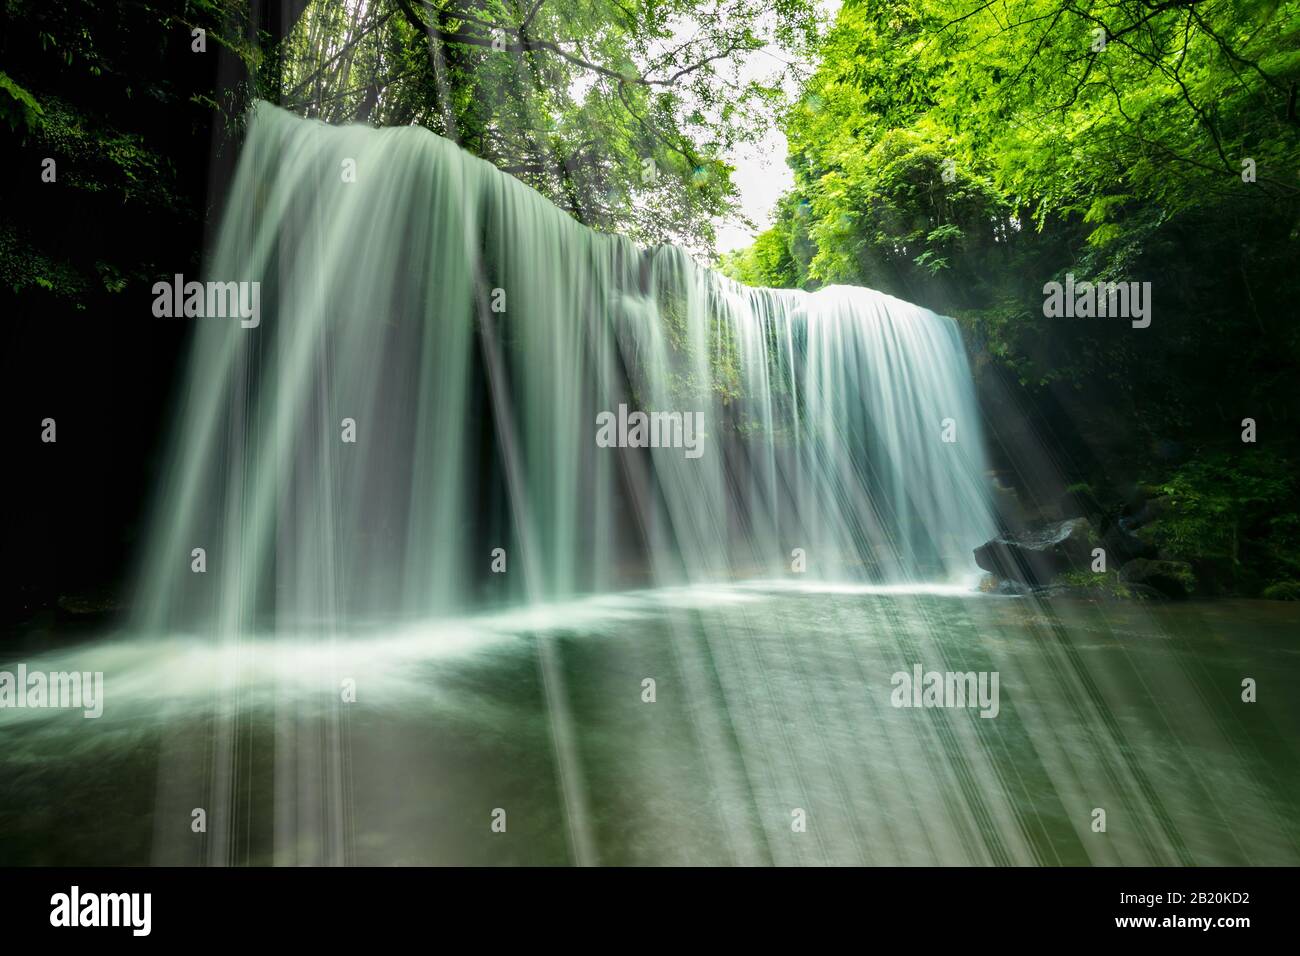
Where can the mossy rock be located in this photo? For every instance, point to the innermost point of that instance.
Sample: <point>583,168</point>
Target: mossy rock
<point>1173,579</point>
<point>1080,501</point>
<point>1035,557</point>
<point>1105,586</point>
<point>1282,591</point>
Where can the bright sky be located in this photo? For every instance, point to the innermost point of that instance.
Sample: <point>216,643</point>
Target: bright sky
<point>761,174</point>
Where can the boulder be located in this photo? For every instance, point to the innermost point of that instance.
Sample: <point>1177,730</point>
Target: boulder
<point>1123,546</point>
<point>1283,591</point>
<point>1173,579</point>
<point>1147,511</point>
<point>1099,592</point>
<point>1035,557</point>
<point>1080,501</point>
<point>992,584</point>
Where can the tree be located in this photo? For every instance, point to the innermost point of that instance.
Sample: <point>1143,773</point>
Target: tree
<point>964,155</point>
<point>622,113</point>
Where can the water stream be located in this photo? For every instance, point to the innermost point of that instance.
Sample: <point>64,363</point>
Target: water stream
<point>399,588</point>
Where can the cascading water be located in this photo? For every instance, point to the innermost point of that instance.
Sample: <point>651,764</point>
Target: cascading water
<point>471,336</point>
<point>321,695</point>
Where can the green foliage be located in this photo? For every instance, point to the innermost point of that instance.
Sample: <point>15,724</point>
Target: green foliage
<point>1282,591</point>
<point>1213,500</point>
<point>95,158</point>
<point>768,262</point>
<point>24,267</point>
<point>1235,511</point>
<point>18,107</point>
<point>962,155</point>
<point>619,112</point>
<point>1105,584</point>
<point>114,95</point>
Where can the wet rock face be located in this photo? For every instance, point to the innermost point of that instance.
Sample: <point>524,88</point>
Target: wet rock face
<point>1122,545</point>
<point>1031,562</point>
<point>1149,510</point>
<point>1035,557</point>
<point>1173,579</point>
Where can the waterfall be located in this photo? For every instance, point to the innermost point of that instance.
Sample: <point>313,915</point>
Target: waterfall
<point>418,407</point>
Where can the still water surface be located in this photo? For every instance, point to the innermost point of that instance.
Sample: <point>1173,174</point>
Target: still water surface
<point>768,700</point>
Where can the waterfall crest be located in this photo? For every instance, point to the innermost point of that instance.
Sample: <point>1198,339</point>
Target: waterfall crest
<point>474,334</point>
